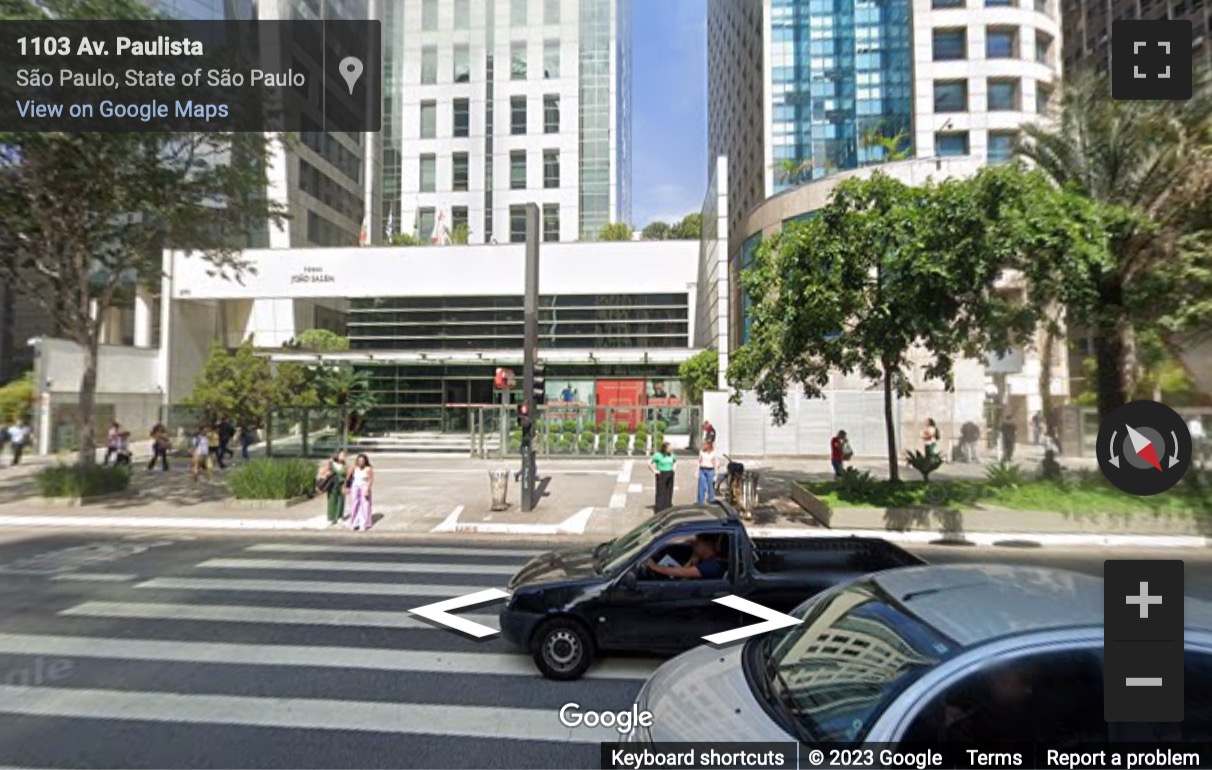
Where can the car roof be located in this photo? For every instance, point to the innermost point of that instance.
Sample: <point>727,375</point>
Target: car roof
<point>971,603</point>
<point>712,513</point>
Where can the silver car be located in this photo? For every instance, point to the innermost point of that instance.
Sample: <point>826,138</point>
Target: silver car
<point>923,654</point>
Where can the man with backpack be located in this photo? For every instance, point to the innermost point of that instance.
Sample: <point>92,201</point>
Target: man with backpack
<point>839,453</point>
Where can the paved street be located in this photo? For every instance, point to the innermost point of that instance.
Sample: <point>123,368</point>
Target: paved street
<point>171,650</point>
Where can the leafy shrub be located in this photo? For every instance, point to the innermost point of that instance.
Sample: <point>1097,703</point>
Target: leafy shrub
<point>1049,468</point>
<point>621,443</point>
<point>924,463</point>
<point>661,426</point>
<point>82,480</point>
<point>269,479</point>
<point>1003,474</point>
<point>585,444</point>
<point>570,426</point>
<point>621,427</point>
<point>857,485</point>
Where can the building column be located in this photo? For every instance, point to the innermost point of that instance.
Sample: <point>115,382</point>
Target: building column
<point>143,318</point>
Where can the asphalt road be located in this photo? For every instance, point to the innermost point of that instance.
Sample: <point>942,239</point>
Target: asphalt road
<point>273,651</point>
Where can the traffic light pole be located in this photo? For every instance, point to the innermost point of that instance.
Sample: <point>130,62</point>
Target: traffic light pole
<point>530,354</point>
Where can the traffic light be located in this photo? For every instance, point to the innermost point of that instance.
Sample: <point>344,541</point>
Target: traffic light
<point>539,392</point>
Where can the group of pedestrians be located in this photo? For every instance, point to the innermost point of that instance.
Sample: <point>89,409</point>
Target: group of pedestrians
<point>663,464</point>
<point>16,437</point>
<point>339,480</point>
<point>209,448</point>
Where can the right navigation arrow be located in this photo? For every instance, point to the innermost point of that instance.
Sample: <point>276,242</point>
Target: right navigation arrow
<point>773,621</point>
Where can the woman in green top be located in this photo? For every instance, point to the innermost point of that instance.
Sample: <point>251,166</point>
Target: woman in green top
<point>662,464</point>
<point>332,481</point>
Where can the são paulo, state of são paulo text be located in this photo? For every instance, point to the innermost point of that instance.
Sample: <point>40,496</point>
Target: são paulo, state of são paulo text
<point>647,758</point>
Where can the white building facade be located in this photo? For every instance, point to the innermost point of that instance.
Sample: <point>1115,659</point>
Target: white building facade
<point>493,104</point>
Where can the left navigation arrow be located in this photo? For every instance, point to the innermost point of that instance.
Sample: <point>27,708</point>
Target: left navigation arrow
<point>773,620</point>
<point>439,612</point>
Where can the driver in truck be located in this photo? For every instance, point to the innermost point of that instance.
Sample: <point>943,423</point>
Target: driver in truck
<point>705,564</point>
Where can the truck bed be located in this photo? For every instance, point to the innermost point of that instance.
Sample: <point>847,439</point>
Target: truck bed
<point>843,555</point>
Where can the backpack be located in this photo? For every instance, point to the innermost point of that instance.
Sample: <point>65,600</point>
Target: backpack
<point>847,451</point>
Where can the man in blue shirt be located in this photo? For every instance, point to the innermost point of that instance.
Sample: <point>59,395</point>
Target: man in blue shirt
<point>705,564</point>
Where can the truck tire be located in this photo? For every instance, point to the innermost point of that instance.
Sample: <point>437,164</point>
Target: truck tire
<point>563,649</point>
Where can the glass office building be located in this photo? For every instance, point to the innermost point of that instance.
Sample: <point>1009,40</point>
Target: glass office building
<point>841,79</point>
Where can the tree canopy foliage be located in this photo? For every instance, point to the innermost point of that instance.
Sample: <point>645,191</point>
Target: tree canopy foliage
<point>615,231</point>
<point>246,386</point>
<point>700,372</point>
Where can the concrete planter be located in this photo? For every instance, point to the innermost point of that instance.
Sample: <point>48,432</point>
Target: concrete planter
<point>267,505</point>
<point>77,502</point>
<point>815,506</point>
<point>929,518</point>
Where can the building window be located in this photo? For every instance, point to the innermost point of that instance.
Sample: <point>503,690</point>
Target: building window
<point>947,3</point>
<point>1001,146</point>
<point>429,173</point>
<point>1000,3</point>
<point>517,115</point>
<point>551,59</point>
<point>1043,46</point>
<point>517,224</point>
<point>517,170</point>
<point>462,64</point>
<point>1043,95</point>
<point>459,171</point>
<point>551,169</point>
<point>950,95</point>
<point>517,13</point>
<point>551,114</point>
<point>950,44</point>
<point>425,221</point>
<point>551,11</point>
<point>1003,95</point>
<point>462,118</point>
<point>458,218</point>
<point>952,144</point>
<point>429,65</point>
<point>551,222</point>
<point>429,119</point>
<point>517,61</point>
<point>999,43</point>
<point>429,15</point>
<point>462,14</point>
<point>1041,6</point>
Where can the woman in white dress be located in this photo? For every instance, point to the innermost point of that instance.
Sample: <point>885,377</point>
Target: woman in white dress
<point>361,481</point>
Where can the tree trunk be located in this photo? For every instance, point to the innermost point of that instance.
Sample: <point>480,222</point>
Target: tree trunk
<point>1110,353</point>
<point>1047,348</point>
<point>87,453</point>
<point>894,470</point>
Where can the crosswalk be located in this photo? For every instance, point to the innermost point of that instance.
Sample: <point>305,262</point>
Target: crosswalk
<point>297,636</point>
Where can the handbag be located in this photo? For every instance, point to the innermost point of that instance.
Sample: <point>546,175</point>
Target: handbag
<point>847,452</point>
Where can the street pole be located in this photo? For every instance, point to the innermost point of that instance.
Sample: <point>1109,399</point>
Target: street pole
<point>530,354</point>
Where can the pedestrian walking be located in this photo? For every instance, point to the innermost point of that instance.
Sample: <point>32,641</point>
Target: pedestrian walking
<point>122,450</point>
<point>248,437</point>
<point>330,481</point>
<point>708,433</point>
<point>1037,428</point>
<point>970,439</point>
<point>709,466</point>
<point>1009,437</point>
<point>200,454</point>
<point>662,465</point>
<point>111,442</point>
<point>839,453</point>
<point>360,486</point>
<point>224,432</point>
<point>930,437</point>
<point>3,438</point>
<point>18,437</point>
<point>160,443</point>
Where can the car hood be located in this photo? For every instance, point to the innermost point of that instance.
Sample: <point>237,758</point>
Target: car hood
<point>555,567</point>
<point>702,695</point>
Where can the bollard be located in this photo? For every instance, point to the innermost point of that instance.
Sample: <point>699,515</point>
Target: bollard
<point>749,493</point>
<point>499,484</point>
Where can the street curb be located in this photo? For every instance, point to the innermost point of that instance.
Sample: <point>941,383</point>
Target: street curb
<point>164,522</point>
<point>996,538</point>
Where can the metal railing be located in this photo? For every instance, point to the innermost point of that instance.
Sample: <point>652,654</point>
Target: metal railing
<point>584,431</point>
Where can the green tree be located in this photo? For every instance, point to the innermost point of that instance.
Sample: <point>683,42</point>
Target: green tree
<point>407,239</point>
<point>247,386</point>
<point>895,147</point>
<point>615,231</point>
<point>461,234</point>
<point>16,399</point>
<point>699,373</point>
<point>794,172</point>
<point>84,217</point>
<point>347,388</point>
<point>1150,163</point>
<point>656,231</point>
<point>689,229</point>
<point>323,341</point>
<point>884,277</point>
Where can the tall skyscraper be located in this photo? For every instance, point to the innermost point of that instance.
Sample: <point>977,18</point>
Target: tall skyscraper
<point>1087,27</point>
<point>493,104</point>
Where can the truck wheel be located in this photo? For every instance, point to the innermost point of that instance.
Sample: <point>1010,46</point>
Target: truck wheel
<point>562,649</point>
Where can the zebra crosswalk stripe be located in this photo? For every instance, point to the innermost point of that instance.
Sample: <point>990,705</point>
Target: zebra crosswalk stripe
<point>311,587</point>
<point>420,568</point>
<point>397,550</point>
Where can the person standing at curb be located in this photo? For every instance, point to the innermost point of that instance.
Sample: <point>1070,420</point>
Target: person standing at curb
<point>331,482</point>
<point>709,465</point>
<point>159,447</point>
<point>1009,437</point>
<point>839,452</point>
<point>199,454</point>
<point>662,465</point>
<point>362,478</point>
<point>111,442</point>
<point>224,432</point>
<point>248,437</point>
<point>930,436</point>
<point>18,437</point>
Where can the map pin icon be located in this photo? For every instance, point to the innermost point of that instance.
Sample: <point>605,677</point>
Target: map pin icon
<point>351,70</point>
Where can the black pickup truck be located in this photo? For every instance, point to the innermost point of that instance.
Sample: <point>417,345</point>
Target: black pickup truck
<point>566,606</point>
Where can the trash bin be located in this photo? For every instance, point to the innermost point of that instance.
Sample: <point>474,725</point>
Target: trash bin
<point>499,483</point>
<point>749,492</point>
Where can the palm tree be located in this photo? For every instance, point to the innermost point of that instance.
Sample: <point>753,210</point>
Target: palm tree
<point>348,388</point>
<point>1153,160</point>
<point>792,171</point>
<point>895,147</point>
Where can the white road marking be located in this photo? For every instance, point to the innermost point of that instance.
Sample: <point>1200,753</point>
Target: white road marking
<point>451,522</point>
<point>618,500</point>
<point>96,577</point>
<point>573,525</point>
<point>162,522</point>
<point>423,568</point>
<point>625,473</point>
<point>299,713</point>
<point>400,550</point>
<point>306,587</point>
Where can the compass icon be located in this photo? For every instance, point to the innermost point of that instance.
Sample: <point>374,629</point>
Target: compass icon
<point>1144,448</point>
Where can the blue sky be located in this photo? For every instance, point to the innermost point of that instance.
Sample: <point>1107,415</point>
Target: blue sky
<point>669,109</point>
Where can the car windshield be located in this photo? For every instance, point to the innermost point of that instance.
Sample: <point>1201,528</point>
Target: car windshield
<point>623,550</point>
<point>855,651</point>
